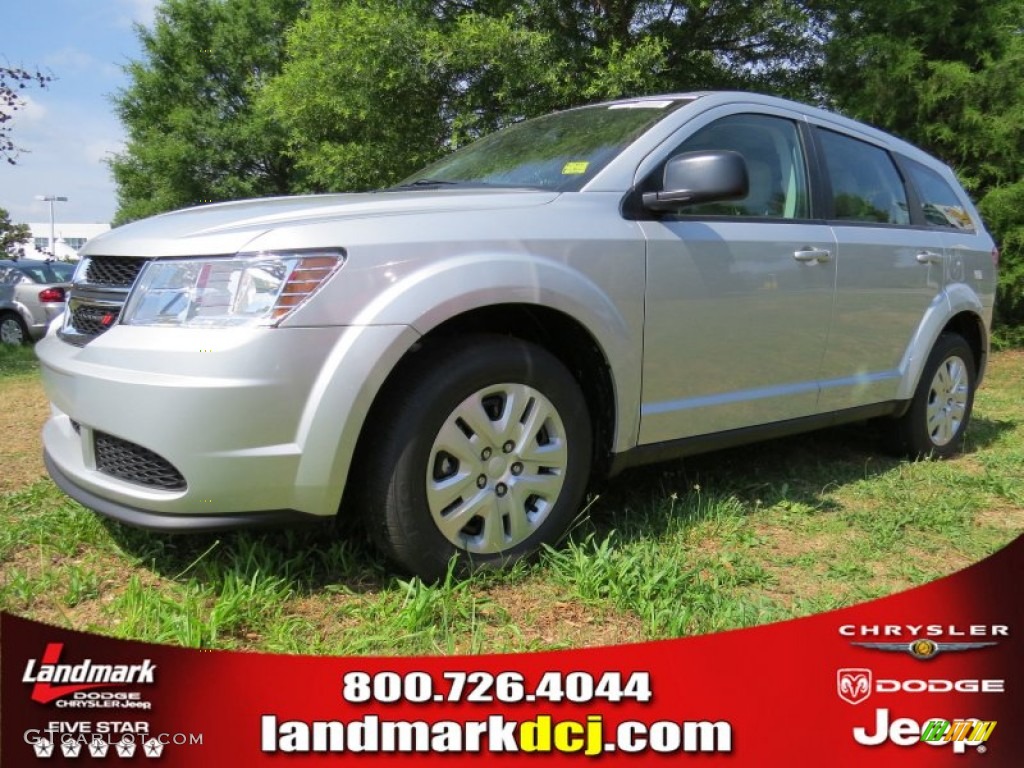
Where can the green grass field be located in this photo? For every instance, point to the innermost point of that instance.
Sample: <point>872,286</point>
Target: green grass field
<point>731,539</point>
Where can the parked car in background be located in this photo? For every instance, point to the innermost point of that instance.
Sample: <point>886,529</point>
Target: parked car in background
<point>32,293</point>
<point>458,356</point>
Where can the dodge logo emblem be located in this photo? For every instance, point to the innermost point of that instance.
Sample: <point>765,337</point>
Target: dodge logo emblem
<point>853,685</point>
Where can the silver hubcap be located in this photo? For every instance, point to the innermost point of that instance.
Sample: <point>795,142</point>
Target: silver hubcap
<point>947,401</point>
<point>496,468</point>
<point>10,332</point>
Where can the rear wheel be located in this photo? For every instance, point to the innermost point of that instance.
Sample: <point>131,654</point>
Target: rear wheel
<point>12,329</point>
<point>935,423</point>
<point>484,454</point>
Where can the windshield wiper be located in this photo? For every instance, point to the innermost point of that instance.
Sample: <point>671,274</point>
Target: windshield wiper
<point>428,183</point>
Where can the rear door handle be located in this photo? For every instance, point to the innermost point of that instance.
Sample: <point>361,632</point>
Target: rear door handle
<point>928,257</point>
<point>816,255</point>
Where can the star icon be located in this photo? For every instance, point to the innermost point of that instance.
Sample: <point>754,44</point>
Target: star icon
<point>125,748</point>
<point>71,748</point>
<point>43,748</point>
<point>98,747</point>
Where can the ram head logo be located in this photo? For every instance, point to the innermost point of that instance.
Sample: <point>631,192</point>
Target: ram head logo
<point>853,685</point>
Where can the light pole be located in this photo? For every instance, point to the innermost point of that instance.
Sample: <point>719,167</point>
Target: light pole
<point>51,199</point>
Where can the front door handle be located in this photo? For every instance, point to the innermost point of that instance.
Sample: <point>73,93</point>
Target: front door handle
<point>816,255</point>
<point>929,257</point>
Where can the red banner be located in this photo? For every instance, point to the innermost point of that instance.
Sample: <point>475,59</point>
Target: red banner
<point>929,677</point>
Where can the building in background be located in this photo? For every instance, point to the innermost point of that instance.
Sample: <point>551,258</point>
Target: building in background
<point>69,236</point>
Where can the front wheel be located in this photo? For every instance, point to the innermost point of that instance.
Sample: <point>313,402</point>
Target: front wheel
<point>935,423</point>
<point>483,454</point>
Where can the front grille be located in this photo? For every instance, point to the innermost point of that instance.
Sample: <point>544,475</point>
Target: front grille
<point>135,464</point>
<point>92,321</point>
<point>119,271</point>
<point>96,298</point>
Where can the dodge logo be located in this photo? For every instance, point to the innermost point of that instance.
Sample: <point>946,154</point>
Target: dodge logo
<point>853,685</point>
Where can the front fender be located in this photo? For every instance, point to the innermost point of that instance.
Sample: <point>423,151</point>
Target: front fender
<point>443,290</point>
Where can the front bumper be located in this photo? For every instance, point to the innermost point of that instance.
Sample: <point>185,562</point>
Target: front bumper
<point>259,423</point>
<point>176,523</point>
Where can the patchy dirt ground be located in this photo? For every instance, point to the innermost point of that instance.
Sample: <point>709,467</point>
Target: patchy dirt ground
<point>23,409</point>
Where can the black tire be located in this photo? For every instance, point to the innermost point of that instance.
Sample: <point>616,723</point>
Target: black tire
<point>505,503</point>
<point>12,329</point>
<point>936,421</point>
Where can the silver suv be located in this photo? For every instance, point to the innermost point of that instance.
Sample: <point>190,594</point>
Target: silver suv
<point>459,355</point>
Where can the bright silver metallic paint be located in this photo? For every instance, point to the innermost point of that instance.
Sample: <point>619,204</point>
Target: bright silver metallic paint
<point>268,418</point>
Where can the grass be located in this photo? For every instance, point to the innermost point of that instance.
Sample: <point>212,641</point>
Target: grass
<point>16,360</point>
<point>732,539</point>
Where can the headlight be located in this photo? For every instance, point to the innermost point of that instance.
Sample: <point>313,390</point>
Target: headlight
<point>256,289</point>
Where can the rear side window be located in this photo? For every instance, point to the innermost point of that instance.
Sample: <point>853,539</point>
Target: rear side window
<point>865,183</point>
<point>942,207</point>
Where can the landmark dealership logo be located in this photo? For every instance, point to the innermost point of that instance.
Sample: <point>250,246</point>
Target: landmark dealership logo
<point>52,680</point>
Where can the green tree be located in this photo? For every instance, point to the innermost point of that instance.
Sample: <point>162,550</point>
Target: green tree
<point>948,75</point>
<point>193,135</point>
<point>373,90</point>
<point>13,80</point>
<point>12,235</point>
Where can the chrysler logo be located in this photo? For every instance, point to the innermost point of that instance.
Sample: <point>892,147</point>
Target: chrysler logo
<point>853,684</point>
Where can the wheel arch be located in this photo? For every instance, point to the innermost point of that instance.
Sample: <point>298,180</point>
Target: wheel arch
<point>555,331</point>
<point>958,310</point>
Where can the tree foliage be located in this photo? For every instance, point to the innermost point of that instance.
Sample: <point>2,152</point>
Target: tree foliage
<point>12,235</point>
<point>13,80</point>
<point>193,135</point>
<point>373,90</point>
<point>949,77</point>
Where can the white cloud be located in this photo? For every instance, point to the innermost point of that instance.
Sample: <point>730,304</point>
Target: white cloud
<point>31,111</point>
<point>71,59</point>
<point>138,11</point>
<point>64,155</point>
<point>101,151</point>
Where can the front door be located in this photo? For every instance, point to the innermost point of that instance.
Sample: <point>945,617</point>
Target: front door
<point>739,294</point>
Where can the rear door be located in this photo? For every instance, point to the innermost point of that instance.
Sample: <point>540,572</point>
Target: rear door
<point>889,270</point>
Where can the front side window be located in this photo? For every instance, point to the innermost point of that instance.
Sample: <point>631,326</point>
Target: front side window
<point>942,207</point>
<point>865,183</point>
<point>771,149</point>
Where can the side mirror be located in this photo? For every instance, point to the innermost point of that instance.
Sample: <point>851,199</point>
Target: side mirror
<point>700,177</point>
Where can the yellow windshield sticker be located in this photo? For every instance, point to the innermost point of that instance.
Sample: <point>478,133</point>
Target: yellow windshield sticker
<point>575,168</point>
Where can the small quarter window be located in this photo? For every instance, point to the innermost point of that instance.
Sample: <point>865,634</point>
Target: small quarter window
<point>865,183</point>
<point>942,207</point>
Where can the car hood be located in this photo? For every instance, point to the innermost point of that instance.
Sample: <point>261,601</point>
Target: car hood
<point>226,228</point>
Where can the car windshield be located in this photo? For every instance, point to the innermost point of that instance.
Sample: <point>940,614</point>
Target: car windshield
<point>558,152</point>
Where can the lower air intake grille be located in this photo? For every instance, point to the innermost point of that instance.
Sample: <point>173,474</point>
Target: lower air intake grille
<point>92,321</point>
<point>135,464</point>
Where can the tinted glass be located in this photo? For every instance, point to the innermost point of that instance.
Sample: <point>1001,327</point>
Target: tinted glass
<point>942,207</point>
<point>771,148</point>
<point>865,183</point>
<point>558,152</point>
<point>47,273</point>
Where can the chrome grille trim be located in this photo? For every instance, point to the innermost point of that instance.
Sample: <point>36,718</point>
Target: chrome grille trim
<point>95,299</point>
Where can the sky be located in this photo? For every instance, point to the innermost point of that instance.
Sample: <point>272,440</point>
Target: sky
<point>67,129</point>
